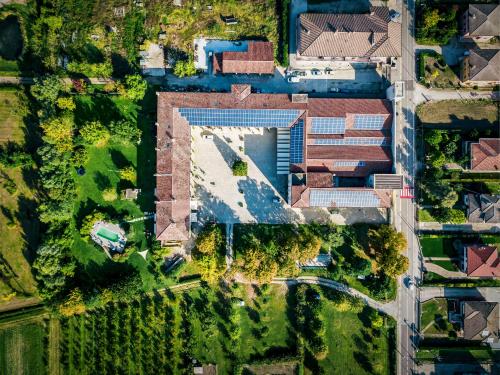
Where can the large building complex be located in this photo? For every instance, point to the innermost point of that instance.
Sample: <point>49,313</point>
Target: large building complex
<point>336,152</point>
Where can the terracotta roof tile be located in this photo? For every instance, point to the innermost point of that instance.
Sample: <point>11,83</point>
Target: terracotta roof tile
<point>483,261</point>
<point>258,59</point>
<point>485,155</point>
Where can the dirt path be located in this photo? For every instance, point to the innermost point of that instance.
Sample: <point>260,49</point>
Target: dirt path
<point>54,339</point>
<point>16,305</point>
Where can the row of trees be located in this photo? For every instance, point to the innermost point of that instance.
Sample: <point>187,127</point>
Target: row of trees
<point>265,256</point>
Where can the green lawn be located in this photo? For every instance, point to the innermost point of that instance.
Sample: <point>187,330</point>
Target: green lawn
<point>434,318</point>
<point>8,68</point>
<point>437,246</point>
<point>424,215</point>
<point>102,172</point>
<point>446,264</point>
<point>23,349</point>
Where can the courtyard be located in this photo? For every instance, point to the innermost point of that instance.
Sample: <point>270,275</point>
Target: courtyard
<point>261,196</point>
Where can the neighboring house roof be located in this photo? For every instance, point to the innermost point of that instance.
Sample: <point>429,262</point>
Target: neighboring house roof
<point>258,59</point>
<point>483,208</point>
<point>483,261</point>
<point>483,65</point>
<point>481,321</point>
<point>484,19</point>
<point>485,155</point>
<point>349,35</point>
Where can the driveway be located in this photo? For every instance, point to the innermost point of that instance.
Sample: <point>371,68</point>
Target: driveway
<point>486,293</point>
<point>452,52</point>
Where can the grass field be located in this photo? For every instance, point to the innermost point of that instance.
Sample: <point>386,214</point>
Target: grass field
<point>464,114</point>
<point>442,245</point>
<point>22,348</point>
<point>209,325</point>
<point>435,318</point>
<point>458,355</point>
<point>18,229</point>
<point>425,216</point>
<point>102,172</point>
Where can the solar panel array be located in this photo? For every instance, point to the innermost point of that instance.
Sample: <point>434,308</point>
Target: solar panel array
<point>297,143</point>
<point>271,118</point>
<point>328,125</point>
<point>368,122</point>
<point>352,141</point>
<point>351,163</point>
<point>343,198</point>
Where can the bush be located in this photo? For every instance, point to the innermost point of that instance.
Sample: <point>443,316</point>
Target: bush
<point>125,131</point>
<point>89,221</point>
<point>184,68</point>
<point>240,168</point>
<point>209,240</point>
<point>109,195</point>
<point>103,70</point>
<point>128,174</point>
<point>134,88</point>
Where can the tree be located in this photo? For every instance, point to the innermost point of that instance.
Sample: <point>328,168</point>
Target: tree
<point>89,221</point>
<point>431,18</point>
<point>134,88</point>
<point>59,132</point>
<point>449,199</point>
<point>80,156</point>
<point>184,68</point>
<point>386,237</point>
<point>376,320</point>
<point>94,133</point>
<point>240,168</point>
<point>209,240</point>
<point>66,103</point>
<point>53,267</point>
<point>359,266</point>
<point>336,236</point>
<point>125,131</point>
<point>46,91</point>
<point>392,263</point>
<point>210,267</point>
<point>128,174</point>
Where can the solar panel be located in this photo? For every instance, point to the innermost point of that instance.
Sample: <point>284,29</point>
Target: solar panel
<point>343,198</point>
<point>368,122</point>
<point>350,163</point>
<point>328,125</point>
<point>271,118</point>
<point>352,141</point>
<point>297,143</point>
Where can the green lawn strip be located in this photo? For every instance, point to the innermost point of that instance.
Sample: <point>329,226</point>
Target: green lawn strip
<point>435,311</point>
<point>23,349</point>
<point>8,68</point>
<point>460,355</point>
<point>448,265</point>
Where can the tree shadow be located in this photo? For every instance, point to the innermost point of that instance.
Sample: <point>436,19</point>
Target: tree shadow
<point>228,154</point>
<point>99,108</point>
<point>118,159</point>
<point>363,360</point>
<point>121,66</point>
<point>102,181</point>
<point>28,217</point>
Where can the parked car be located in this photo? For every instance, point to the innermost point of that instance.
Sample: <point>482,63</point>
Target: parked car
<point>276,199</point>
<point>334,89</point>
<point>410,284</point>
<point>328,71</point>
<point>293,79</point>
<point>300,73</point>
<point>394,14</point>
<point>315,72</point>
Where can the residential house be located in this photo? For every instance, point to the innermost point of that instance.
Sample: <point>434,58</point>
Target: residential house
<point>485,155</point>
<point>481,322</point>
<point>366,37</point>
<point>481,261</point>
<point>480,22</point>
<point>257,59</point>
<point>336,152</point>
<point>481,67</point>
<point>483,208</point>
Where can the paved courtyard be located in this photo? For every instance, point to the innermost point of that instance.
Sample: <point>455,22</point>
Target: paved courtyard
<point>222,197</point>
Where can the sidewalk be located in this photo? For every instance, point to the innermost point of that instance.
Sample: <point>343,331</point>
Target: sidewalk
<point>469,228</point>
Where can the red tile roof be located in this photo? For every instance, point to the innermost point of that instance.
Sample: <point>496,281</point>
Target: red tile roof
<point>485,155</point>
<point>483,261</point>
<point>258,59</point>
<point>174,148</point>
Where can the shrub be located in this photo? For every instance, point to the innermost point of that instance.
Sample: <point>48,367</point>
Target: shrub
<point>209,240</point>
<point>134,88</point>
<point>128,174</point>
<point>66,103</point>
<point>89,221</point>
<point>109,195</point>
<point>184,68</point>
<point>80,156</point>
<point>59,132</point>
<point>240,168</point>
<point>102,70</point>
<point>125,131</point>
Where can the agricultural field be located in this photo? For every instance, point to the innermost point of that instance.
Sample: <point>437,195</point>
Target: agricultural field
<point>18,227</point>
<point>23,339</point>
<point>238,325</point>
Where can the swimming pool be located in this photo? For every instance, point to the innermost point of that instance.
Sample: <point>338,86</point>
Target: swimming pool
<point>107,234</point>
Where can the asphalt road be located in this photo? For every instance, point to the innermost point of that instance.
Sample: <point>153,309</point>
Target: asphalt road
<point>408,317</point>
